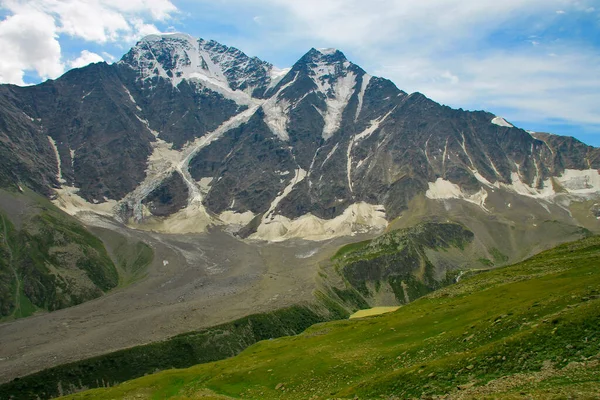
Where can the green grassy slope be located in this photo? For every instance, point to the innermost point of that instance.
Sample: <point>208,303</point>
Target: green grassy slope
<point>399,261</point>
<point>49,260</point>
<point>531,328</point>
<point>53,262</point>
<point>181,351</point>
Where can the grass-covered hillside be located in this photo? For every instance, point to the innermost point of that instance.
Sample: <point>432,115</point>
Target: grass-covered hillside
<point>531,329</point>
<point>206,345</point>
<point>405,262</point>
<point>49,260</point>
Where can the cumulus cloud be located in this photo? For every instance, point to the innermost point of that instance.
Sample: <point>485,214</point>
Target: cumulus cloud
<point>85,58</point>
<point>29,35</point>
<point>28,41</point>
<point>532,86</point>
<point>381,22</point>
<point>140,29</point>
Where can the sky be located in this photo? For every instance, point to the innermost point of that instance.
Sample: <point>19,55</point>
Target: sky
<point>534,62</point>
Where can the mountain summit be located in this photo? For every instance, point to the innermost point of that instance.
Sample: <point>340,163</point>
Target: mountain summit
<point>178,57</point>
<point>183,133</point>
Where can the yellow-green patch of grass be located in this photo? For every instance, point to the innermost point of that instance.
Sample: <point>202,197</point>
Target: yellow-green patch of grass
<point>373,311</point>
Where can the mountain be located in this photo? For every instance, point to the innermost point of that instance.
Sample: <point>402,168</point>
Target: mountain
<point>198,178</point>
<point>209,136</point>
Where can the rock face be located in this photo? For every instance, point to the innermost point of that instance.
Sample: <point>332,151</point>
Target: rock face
<point>88,117</point>
<point>168,198</point>
<point>182,125</point>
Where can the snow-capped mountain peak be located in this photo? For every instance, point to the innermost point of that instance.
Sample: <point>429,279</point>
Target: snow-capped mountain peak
<point>327,51</point>
<point>215,136</point>
<point>324,55</point>
<point>175,57</point>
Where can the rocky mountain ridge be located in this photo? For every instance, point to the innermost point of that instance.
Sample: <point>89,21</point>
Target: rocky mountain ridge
<point>209,136</point>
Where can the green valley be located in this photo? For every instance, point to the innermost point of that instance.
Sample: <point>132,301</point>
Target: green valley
<point>527,329</point>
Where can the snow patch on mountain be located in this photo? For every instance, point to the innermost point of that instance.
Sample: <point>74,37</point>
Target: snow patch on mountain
<point>374,125</point>
<point>128,93</point>
<point>363,88</point>
<point>276,117</point>
<point>519,187</point>
<point>442,189</point>
<point>276,75</point>
<point>299,176</point>
<point>343,89</point>
<point>327,51</point>
<point>481,178</point>
<point>240,97</point>
<point>582,182</point>
<point>337,88</point>
<point>276,112</point>
<point>59,176</point>
<point>357,218</point>
<point>501,122</point>
<point>86,95</point>
<point>330,154</point>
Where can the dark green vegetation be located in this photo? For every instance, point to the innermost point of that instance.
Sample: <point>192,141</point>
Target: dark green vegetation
<point>400,259</point>
<point>532,328</point>
<point>181,351</point>
<point>49,261</point>
<point>499,258</point>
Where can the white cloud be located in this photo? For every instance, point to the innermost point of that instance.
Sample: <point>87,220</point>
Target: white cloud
<point>533,86</point>
<point>28,41</point>
<point>85,58</point>
<point>98,21</point>
<point>29,36</point>
<point>140,29</point>
<point>88,21</point>
<point>108,57</point>
<point>382,22</point>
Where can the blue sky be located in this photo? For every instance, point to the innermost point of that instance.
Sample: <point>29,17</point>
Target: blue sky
<point>534,62</point>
